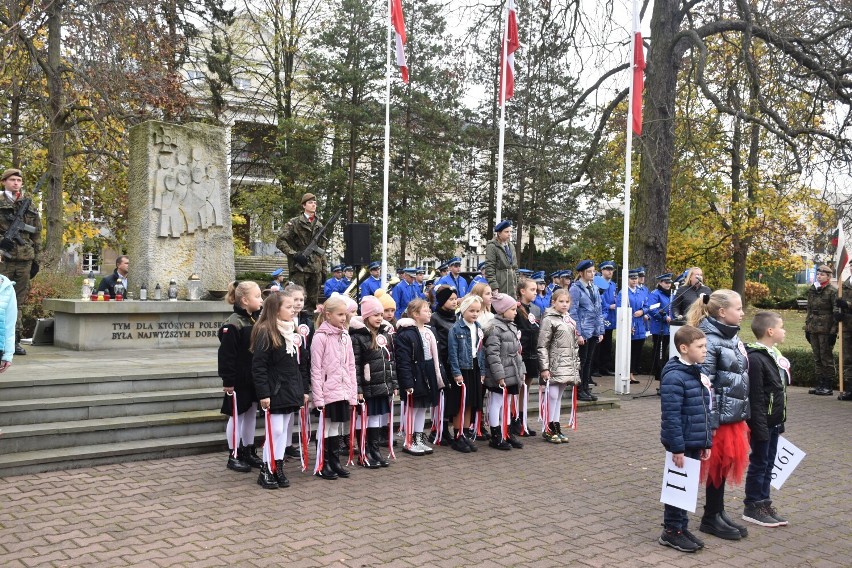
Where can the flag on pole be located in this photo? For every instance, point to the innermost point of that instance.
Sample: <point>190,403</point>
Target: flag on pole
<point>841,254</point>
<point>399,27</point>
<point>638,79</point>
<point>511,44</point>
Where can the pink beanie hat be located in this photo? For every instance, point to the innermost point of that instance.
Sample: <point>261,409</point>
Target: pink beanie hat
<point>370,305</point>
<point>501,303</point>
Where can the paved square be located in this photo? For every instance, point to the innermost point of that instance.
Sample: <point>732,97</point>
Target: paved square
<point>593,502</point>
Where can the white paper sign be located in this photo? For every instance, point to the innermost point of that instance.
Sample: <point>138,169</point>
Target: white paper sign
<point>786,460</point>
<point>680,486</point>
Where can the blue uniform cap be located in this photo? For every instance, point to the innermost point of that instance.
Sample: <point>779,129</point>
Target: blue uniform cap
<point>454,260</point>
<point>666,276</point>
<point>525,272</point>
<point>641,270</point>
<point>569,274</point>
<point>337,268</point>
<point>347,267</point>
<point>555,274</point>
<point>444,266</point>
<point>410,270</point>
<point>502,225</point>
<point>584,265</point>
<point>608,264</point>
<point>375,264</point>
<point>277,272</point>
<point>421,270</point>
<point>400,269</point>
<point>633,272</point>
<point>480,266</point>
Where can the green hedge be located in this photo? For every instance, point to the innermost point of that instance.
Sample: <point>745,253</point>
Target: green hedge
<point>262,278</point>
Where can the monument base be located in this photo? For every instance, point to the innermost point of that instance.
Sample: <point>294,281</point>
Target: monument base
<point>87,326</point>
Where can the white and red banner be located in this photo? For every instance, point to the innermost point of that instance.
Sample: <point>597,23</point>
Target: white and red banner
<point>511,43</point>
<point>841,255</point>
<point>399,31</point>
<point>638,80</point>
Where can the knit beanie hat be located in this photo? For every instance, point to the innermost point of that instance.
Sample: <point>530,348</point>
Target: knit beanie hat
<point>468,301</point>
<point>501,303</point>
<point>385,298</point>
<point>370,305</point>
<point>443,294</point>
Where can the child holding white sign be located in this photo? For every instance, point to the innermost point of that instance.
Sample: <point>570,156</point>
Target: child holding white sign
<point>685,424</point>
<point>768,374</point>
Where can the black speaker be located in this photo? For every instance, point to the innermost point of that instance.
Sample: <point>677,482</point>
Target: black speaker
<point>357,238</point>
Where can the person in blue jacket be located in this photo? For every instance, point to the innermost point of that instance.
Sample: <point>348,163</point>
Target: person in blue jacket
<point>659,308</point>
<point>542,297</point>
<point>605,362</point>
<point>454,278</point>
<point>685,427</point>
<point>554,282</point>
<point>8,318</point>
<point>479,277</point>
<point>348,275</point>
<point>373,281</point>
<point>405,291</point>
<point>639,331</point>
<point>335,283</point>
<point>586,311</point>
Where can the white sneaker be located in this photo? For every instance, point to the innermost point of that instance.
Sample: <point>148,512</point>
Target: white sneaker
<point>421,441</point>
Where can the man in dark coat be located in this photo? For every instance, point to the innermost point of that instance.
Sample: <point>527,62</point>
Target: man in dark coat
<point>821,329</point>
<point>21,260</point>
<point>119,275</point>
<point>294,238</point>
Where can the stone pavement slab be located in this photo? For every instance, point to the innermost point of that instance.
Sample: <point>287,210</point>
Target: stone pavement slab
<point>593,502</point>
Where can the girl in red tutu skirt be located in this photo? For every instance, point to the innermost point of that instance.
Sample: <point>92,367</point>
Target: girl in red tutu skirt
<point>719,315</point>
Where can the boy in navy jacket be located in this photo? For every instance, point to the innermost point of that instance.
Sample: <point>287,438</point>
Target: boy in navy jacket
<point>685,425</point>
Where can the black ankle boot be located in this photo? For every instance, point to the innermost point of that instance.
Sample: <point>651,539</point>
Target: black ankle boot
<point>515,427</point>
<point>717,526</point>
<point>374,449</point>
<point>370,461</point>
<point>469,437</point>
<point>514,442</point>
<point>334,461</point>
<point>247,454</point>
<point>266,479</point>
<point>235,464</point>
<point>497,442</point>
<point>279,474</point>
<point>326,472</point>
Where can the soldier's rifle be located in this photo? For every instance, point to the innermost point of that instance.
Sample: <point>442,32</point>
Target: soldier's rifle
<point>13,233</point>
<point>314,246</point>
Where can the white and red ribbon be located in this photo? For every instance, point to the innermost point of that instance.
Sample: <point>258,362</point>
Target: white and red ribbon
<point>544,406</point>
<point>477,424</point>
<point>409,420</point>
<point>463,388</point>
<point>362,444</point>
<point>390,429</point>
<point>304,436</point>
<point>504,415</point>
<point>236,435</point>
<point>572,419</point>
<point>320,461</point>
<point>524,429</point>
<point>297,342</point>
<point>353,416</point>
<point>269,442</point>
<point>402,416</point>
<point>438,419</point>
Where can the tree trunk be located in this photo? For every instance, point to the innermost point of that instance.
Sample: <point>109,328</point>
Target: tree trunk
<point>649,242</point>
<point>56,139</point>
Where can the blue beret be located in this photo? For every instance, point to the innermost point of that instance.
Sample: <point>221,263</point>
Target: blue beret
<point>666,276</point>
<point>525,272</point>
<point>502,225</point>
<point>608,264</point>
<point>410,270</point>
<point>454,260</point>
<point>584,265</point>
<point>480,266</point>
<point>277,272</point>
<point>337,268</point>
<point>375,264</point>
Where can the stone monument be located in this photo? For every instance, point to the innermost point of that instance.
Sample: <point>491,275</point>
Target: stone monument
<point>179,214</point>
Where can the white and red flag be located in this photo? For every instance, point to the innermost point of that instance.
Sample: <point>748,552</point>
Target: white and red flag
<point>638,80</point>
<point>841,255</point>
<point>511,43</point>
<point>399,29</point>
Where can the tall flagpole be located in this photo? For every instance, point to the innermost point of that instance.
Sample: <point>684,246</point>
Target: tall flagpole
<point>502,101</point>
<point>623,314</point>
<point>387,153</point>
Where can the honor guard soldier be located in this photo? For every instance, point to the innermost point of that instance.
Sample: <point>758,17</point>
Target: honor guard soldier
<point>454,278</point>
<point>277,282</point>
<point>554,282</point>
<point>373,281</point>
<point>21,250</point>
<point>336,283</point>
<point>821,329</point>
<point>419,276</point>
<point>297,234</point>
<point>405,291</point>
<point>348,275</point>
<point>659,308</point>
<point>443,269</point>
<point>605,365</point>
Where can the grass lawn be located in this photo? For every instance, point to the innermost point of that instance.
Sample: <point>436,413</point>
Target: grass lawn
<point>794,321</point>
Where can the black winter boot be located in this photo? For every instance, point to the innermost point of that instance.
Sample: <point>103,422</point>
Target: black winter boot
<point>374,449</point>
<point>515,427</point>
<point>248,454</point>
<point>235,464</point>
<point>370,460</point>
<point>334,456</point>
<point>514,442</point>
<point>18,349</point>
<point>266,479</point>
<point>468,438</point>
<point>279,474</point>
<point>326,472</point>
<point>497,442</point>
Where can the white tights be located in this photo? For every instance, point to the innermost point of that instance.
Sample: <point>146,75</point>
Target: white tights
<point>495,409</point>
<point>554,400</point>
<point>248,424</point>
<point>334,429</point>
<point>376,421</point>
<point>418,417</point>
<point>280,424</point>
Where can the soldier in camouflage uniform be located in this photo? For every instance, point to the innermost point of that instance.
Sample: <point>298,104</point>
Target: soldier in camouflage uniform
<point>294,238</point>
<point>844,315</point>
<point>23,264</point>
<point>821,329</point>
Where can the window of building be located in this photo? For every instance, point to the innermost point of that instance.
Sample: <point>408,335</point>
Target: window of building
<point>194,76</point>
<point>242,84</point>
<point>91,262</point>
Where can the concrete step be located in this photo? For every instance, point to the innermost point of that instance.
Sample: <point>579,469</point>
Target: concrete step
<point>54,435</point>
<point>43,387</point>
<point>71,408</point>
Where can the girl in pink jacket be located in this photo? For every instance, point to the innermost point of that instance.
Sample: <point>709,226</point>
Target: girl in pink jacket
<point>333,385</point>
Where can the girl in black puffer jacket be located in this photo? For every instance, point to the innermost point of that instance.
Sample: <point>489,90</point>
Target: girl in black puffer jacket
<point>718,316</point>
<point>375,368</point>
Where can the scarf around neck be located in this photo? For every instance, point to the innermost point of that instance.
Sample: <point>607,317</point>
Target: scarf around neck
<point>287,330</point>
